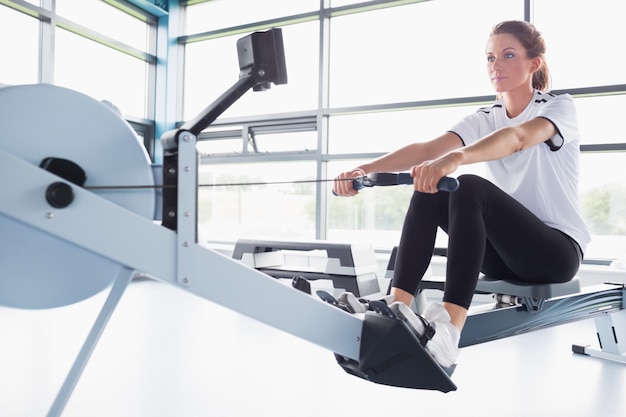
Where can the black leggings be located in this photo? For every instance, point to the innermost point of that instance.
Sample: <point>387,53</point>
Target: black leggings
<point>488,231</point>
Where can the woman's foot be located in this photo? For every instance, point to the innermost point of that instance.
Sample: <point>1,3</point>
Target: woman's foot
<point>444,344</point>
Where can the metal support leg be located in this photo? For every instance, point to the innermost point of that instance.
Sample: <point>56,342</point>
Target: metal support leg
<point>120,284</point>
<point>611,329</point>
<point>607,334</point>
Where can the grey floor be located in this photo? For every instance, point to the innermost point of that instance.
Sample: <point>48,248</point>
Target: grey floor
<point>168,353</point>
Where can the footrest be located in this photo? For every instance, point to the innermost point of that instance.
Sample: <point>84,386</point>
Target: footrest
<point>391,354</point>
<point>527,290</point>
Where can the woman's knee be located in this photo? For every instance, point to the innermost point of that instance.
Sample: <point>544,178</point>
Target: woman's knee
<point>471,182</point>
<point>470,187</point>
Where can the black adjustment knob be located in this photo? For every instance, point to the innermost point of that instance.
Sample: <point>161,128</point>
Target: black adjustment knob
<point>59,195</point>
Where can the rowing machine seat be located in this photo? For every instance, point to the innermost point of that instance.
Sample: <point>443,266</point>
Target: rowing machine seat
<point>524,289</point>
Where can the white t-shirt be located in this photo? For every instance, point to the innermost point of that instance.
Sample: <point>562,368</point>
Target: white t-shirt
<point>544,177</point>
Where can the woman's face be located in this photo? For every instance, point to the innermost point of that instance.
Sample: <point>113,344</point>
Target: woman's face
<point>508,66</point>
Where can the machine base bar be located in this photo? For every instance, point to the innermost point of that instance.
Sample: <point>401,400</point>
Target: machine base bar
<point>611,331</point>
<point>585,350</point>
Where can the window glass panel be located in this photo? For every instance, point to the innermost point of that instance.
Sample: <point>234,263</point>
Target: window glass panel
<point>284,142</point>
<point>220,146</point>
<point>101,72</point>
<point>375,215</point>
<point>19,47</point>
<point>417,57</point>
<point>387,131</point>
<point>290,141</point>
<point>211,67</point>
<point>603,203</point>
<point>106,19</point>
<point>601,119</point>
<point>217,14</point>
<point>273,211</point>
<point>585,42</point>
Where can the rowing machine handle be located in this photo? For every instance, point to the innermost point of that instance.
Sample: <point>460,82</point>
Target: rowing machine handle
<point>448,184</point>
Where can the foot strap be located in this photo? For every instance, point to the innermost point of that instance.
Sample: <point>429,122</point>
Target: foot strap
<point>429,331</point>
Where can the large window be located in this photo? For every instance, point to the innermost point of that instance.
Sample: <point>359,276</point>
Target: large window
<point>110,21</point>
<point>101,72</point>
<point>575,34</point>
<point>420,51</point>
<point>381,74</point>
<point>103,49</point>
<point>364,78</point>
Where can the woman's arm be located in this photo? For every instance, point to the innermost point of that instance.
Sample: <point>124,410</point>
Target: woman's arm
<point>413,154</point>
<point>507,141</point>
<point>400,160</point>
<point>497,145</point>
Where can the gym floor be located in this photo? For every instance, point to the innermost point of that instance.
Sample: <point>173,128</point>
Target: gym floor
<point>168,353</point>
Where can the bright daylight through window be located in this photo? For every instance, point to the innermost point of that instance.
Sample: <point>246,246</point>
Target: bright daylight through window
<point>362,81</point>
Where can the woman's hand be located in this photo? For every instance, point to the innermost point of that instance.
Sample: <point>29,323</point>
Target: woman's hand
<point>427,175</point>
<point>343,186</point>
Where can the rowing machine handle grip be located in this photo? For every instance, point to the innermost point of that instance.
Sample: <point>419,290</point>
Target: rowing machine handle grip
<point>448,184</point>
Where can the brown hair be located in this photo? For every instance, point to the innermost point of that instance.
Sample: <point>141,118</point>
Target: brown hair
<point>535,46</point>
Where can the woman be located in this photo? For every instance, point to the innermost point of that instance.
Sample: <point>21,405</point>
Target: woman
<point>524,223</point>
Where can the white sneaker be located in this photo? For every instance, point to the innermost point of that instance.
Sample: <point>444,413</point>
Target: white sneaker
<point>360,305</point>
<point>444,345</point>
<point>350,300</point>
